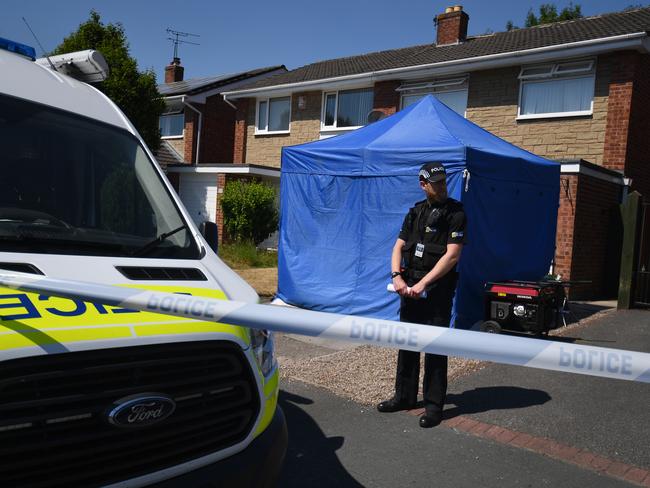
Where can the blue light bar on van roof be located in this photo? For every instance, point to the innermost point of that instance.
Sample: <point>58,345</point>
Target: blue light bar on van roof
<point>18,48</point>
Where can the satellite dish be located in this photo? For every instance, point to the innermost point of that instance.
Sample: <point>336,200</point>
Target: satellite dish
<point>376,115</point>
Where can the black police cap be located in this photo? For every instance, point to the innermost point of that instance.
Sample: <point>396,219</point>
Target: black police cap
<point>432,172</point>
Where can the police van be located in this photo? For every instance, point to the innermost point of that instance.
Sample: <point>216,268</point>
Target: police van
<point>99,395</point>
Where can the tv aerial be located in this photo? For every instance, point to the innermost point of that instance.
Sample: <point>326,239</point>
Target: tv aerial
<point>177,38</point>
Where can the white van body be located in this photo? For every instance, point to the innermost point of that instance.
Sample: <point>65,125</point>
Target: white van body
<point>34,82</point>
<point>34,327</point>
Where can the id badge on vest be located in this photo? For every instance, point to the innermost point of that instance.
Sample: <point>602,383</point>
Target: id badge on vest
<point>419,250</point>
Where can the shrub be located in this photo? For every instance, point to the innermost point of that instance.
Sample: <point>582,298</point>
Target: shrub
<point>249,212</point>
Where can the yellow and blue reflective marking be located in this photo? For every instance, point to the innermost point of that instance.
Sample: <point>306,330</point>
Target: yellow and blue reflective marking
<point>28,319</point>
<point>271,390</point>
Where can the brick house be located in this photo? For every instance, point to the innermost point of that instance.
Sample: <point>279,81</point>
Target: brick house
<point>575,92</point>
<point>197,130</point>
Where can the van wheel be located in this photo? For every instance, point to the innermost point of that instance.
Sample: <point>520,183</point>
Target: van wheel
<point>491,327</point>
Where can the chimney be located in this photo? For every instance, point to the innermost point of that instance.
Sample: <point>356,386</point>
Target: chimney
<point>174,71</point>
<point>452,26</point>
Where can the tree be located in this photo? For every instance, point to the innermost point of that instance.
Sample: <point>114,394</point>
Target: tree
<point>133,91</point>
<point>548,14</point>
<point>249,212</point>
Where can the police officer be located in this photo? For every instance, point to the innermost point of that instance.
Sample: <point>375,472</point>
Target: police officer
<point>429,246</point>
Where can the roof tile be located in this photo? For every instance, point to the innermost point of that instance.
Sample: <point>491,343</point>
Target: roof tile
<point>588,28</point>
<point>166,155</point>
<point>195,85</point>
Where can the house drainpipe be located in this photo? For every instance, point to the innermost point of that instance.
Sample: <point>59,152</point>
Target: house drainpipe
<point>229,102</point>
<point>198,135</point>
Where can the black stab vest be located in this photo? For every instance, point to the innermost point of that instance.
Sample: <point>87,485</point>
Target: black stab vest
<point>435,242</point>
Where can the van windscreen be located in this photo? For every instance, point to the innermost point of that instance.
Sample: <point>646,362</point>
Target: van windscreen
<point>72,185</point>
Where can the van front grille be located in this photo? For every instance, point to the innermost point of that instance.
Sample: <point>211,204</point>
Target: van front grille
<point>148,273</point>
<point>21,268</point>
<point>53,412</point>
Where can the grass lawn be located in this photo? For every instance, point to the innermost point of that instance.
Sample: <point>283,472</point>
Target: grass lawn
<point>244,255</point>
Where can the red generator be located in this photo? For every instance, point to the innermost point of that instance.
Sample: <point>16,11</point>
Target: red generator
<point>531,307</point>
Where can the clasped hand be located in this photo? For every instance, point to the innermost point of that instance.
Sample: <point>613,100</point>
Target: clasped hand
<point>413,292</point>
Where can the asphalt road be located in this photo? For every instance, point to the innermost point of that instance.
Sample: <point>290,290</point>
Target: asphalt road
<point>338,443</point>
<point>604,416</point>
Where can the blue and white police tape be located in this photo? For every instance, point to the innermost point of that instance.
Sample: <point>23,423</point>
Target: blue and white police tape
<point>520,351</point>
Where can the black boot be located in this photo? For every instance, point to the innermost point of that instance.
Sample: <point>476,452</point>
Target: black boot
<point>430,419</point>
<point>394,405</point>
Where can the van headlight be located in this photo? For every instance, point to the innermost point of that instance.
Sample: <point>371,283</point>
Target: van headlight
<point>263,350</point>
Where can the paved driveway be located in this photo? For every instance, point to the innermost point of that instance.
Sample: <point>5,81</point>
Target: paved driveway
<point>504,426</point>
<point>335,443</point>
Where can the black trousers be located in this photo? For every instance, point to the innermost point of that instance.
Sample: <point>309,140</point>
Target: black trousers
<point>433,310</point>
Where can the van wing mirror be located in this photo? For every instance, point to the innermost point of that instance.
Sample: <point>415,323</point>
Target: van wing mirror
<point>210,231</point>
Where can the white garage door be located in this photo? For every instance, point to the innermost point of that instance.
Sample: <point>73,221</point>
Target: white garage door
<point>198,193</point>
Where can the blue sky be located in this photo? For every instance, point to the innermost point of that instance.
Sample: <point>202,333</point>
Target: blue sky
<point>241,35</point>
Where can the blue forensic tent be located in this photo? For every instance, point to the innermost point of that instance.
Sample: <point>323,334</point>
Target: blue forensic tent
<point>343,200</point>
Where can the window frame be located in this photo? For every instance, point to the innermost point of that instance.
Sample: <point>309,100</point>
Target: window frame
<point>553,75</point>
<point>176,136</point>
<point>265,131</point>
<point>443,85</point>
<point>335,127</point>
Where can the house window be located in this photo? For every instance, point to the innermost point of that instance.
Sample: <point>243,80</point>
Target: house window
<point>172,125</point>
<point>557,90</point>
<point>347,109</point>
<point>273,115</point>
<point>451,92</point>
